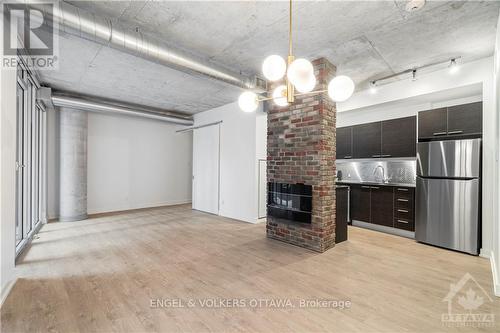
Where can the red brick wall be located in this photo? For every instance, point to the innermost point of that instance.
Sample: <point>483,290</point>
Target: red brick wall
<point>301,149</point>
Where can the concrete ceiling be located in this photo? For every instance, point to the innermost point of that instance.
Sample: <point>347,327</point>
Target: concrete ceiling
<point>366,40</point>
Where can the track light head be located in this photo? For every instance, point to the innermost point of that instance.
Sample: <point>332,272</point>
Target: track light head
<point>454,68</point>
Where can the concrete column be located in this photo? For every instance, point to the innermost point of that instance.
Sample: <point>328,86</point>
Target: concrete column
<point>73,165</point>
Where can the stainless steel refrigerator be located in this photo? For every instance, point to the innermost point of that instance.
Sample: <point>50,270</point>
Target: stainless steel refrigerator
<point>448,194</point>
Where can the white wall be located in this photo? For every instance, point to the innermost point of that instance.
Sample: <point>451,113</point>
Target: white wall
<point>136,163</point>
<point>495,260</point>
<point>132,163</point>
<point>240,150</point>
<point>473,82</point>
<point>472,73</point>
<point>7,178</point>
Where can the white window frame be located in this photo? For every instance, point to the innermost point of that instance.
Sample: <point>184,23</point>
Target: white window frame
<point>31,182</point>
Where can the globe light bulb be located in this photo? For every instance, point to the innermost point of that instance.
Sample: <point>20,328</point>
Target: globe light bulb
<point>248,101</point>
<point>279,96</point>
<point>308,86</point>
<point>274,67</point>
<point>300,73</point>
<point>340,88</point>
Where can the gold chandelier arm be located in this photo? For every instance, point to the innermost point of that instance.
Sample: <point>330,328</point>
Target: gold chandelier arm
<point>263,99</point>
<point>290,32</point>
<point>311,93</point>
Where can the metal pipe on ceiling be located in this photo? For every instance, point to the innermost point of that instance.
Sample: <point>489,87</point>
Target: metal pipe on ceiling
<point>81,23</point>
<point>93,104</point>
<point>198,127</point>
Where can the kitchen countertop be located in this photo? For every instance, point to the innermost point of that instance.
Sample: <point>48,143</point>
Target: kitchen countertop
<point>346,182</point>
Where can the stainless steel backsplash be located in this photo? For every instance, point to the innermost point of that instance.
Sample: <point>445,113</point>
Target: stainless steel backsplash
<point>396,170</point>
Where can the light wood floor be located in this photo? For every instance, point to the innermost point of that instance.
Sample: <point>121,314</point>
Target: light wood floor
<point>100,275</point>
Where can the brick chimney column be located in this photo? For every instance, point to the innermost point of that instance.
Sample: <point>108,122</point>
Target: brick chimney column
<point>301,149</point>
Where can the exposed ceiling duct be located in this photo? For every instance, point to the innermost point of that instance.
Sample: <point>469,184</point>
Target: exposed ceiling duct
<point>93,104</point>
<point>81,23</point>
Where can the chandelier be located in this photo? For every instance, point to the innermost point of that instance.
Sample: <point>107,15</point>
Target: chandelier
<point>299,80</point>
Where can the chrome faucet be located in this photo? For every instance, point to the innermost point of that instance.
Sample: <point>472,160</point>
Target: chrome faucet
<point>384,180</point>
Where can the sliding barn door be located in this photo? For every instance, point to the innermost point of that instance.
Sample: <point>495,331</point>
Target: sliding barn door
<point>206,169</point>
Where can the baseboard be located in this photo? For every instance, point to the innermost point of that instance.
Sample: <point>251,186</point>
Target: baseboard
<point>129,210</point>
<point>240,218</point>
<point>381,228</point>
<point>6,290</point>
<point>484,253</point>
<point>495,274</point>
<point>118,210</point>
<point>261,220</point>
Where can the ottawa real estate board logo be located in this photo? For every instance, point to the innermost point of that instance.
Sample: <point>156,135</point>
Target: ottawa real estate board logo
<point>29,31</point>
<point>467,305</point>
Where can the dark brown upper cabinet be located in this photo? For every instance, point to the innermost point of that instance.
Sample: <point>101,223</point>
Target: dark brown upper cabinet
<point>432,123</point>
<point>399,137</point>
<point>382,205</point>
<point>366,140</point>
<point>453,121</point>
<point>360,203</point>
<point>390,138</point>
<point>465,119</point>
<point>344,142</point>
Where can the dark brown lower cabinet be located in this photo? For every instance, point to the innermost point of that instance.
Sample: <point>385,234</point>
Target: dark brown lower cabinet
<point>404,208</point>
<point>341,201</point>
<point>382,205</point>
<point>360,203</point>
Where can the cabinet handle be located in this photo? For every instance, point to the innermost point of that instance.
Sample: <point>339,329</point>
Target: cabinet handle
<point>403,221</point>
<point>403,200</point>
<point>375,155</point>
<point>375,187</point>
<point>439,133</point>
<point>455,132</point>
<point>348,156</point>
<point>402,211</point>
<point>386,155</point>
<point>402,189</point>
<point>365,186</point>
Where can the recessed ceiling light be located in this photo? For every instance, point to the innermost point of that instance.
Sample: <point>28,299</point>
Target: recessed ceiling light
<point>414,5</point>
